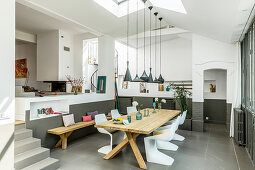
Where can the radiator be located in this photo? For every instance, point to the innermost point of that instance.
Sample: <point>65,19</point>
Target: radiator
<point>239,126</point>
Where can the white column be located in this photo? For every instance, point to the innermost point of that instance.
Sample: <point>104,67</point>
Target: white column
<point>7,86</point>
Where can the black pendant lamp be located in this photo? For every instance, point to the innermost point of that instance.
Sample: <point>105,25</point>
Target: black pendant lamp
<point>144,76</point>
<point>127,75</point>
<point>137,79</point>
<point>156,80</point>
<point>160,79</point>
<point>150,75</point>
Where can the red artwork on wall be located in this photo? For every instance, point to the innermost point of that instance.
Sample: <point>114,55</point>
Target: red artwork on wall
<point>21,68</point>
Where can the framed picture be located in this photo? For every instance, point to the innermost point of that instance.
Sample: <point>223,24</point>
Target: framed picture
<point>125,85</point>
<point>21,68</point>
<point>79,89</point>
<point>143,88</point>
<point>161,87</point>
<point>101,84</point>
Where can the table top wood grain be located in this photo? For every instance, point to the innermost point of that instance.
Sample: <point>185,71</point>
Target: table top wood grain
<point>145,126</point>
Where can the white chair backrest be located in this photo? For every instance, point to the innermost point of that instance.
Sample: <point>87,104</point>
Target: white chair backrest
<point>100,118</point>
<point>131,109</point>
<point>168,134</point>
<point>183,117</point>
<point>115,114</point>
<point>177,122</point>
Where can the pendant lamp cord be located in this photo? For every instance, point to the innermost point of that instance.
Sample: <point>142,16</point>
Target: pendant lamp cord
<point>160,44</point>
<point>144,36</point>
<point>156,43</point>
<point>137,38</point>
<point>150,38</point>
<point>127,32</point>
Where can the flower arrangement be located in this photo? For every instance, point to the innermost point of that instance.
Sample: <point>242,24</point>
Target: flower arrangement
<point>162,100</point>
<point>75,83</point>
<point>136,104</point>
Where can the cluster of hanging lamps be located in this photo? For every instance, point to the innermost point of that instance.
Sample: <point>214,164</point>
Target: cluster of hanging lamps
<point>127,75</point>
<point>137,79</point>
<point>144,76</point>
<point>160,79</point>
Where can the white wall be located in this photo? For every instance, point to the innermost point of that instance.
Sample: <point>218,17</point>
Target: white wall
<point>28,51</point>
<point>176,60</point>
<point>176,65</point>
<point>218,77</point>
<point>106,51</point>
<point>7,93</point>
<point>212,54</point>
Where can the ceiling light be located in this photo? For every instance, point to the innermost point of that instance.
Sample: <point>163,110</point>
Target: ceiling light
<point>173,5</point>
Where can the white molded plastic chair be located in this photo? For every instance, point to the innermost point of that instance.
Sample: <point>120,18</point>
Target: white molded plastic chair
<point>151,146</point>
<point>115,114</point>
<point>116,136</point>
<point>131,109</point>
<point>181,121</point>
<point>168,145</point>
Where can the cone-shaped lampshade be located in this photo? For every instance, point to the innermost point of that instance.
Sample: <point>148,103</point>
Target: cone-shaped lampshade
<point>137,79</point>
<point>156,80</point>
<point>160,79</point>
<point>127,75</point>
<point>144,76</point>
<point>150,77</point>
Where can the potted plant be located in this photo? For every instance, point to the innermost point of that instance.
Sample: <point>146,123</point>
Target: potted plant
<point>138,107</point>
<point>75,83</point>
<point>180,97</point>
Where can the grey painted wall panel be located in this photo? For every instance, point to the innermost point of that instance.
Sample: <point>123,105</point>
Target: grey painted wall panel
<point>197,116</point>
<point>215,110</point>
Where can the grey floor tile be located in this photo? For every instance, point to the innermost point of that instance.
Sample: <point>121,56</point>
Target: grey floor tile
<point>211,150</point>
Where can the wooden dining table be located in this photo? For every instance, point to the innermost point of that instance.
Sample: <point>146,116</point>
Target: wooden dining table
<point>145,126</point>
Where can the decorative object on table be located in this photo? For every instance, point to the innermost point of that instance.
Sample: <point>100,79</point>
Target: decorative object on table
<point>161,87</point>
<point>150,80</point>
<point>138,107</point>
<point>143,88</point>
<point>137,79</point>
<point>144,76</point>
<point>212,88</point>
<point>148,113</point>
<point>86,118</point>
<point>167,88</point>
<point>160,79</point>
<point>127,75</point>
<point>129,118</point>
<point>125,85</point>
<point>101,84</point>
<point>180,97</point>
<point>125,122</point>
<point>159,104</point>
<point>68,120</point>
<point>21,68</point>
<point>118,120</point>
<point>75,83</point>
<point>154,106</point>
<point>144,113</point>
<point>93,114</point>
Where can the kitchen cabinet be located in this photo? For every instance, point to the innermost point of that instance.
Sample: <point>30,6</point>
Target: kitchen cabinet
<point>54,56</point>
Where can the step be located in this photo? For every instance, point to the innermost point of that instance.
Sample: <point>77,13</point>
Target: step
<point>23,134</point>
<point>20,126</point>
<point>26,145</point>
<point>30,157</point>
<point>46,164</point>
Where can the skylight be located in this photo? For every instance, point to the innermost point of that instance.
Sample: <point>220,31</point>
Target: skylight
<point>173,5</point>
<point>119,7</point>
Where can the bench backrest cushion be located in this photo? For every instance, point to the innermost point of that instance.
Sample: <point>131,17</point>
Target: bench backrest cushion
<point>68,120</point>
<point>93,114</point>
<point>86,118</point>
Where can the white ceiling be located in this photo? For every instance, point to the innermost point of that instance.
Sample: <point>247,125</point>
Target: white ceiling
<point>217,19</point>
<point>32,21</point>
